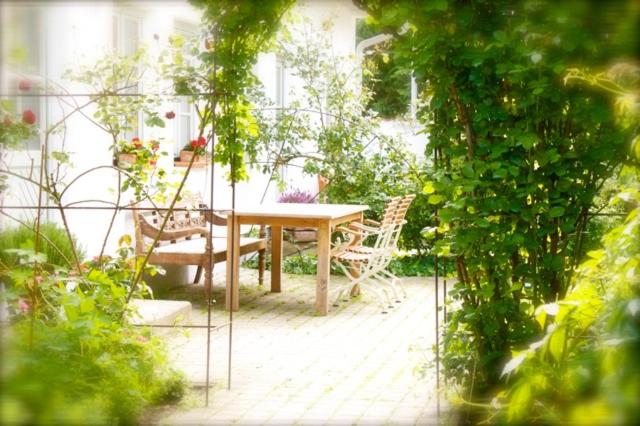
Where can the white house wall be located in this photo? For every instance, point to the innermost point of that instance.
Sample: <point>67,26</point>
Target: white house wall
<point>80,33</point>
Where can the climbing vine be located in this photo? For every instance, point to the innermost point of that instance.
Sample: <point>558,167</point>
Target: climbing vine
<point>238,31</point>
<point>519,155</point>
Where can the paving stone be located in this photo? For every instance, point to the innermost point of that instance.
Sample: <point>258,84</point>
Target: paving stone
<point>290,367</point>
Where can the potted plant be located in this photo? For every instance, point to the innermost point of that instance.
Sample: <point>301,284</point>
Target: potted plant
<point>299,235</point>
<point>194,148</point>
<point>137,152</point>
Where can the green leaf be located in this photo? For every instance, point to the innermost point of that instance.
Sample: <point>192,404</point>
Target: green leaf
<point>467,171</point>
<point>428,188</point>
<point>61,157</point>
<point>513,364</point>
<point>557,343</point>
<point>556,211</point>
<point>436,199</point>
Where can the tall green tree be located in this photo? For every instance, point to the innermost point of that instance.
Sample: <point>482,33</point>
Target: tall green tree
<point>519,155</point>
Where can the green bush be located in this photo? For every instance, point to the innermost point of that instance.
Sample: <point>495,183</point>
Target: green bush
<point>520,154</point>
<point>54,244</point>
<point>69,376</point>
<point>71,356</point>
<point>585,369</point>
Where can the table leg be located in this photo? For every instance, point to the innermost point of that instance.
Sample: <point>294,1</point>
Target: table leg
<point>355,271</point>
<point>276,258</point>
<point>322,279</point>
<point>233,263</point>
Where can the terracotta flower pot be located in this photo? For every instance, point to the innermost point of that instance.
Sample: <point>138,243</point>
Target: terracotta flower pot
<point>185,156</point>
<point>300,235</point>
<point>127,161</point>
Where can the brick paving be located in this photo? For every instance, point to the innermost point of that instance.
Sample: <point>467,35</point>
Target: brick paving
<point>354,366</point>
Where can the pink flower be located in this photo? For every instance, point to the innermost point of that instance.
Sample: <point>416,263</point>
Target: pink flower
<point>38,279</point>
<point>28,117</point>
<point>23,305</point>
<point>24,85</point>
<point>170,115</point>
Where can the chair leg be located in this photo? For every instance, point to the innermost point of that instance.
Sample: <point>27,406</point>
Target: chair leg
<point>198,274</point>
<point>261,262</point>
<point>208,281</point>
<point>261,256</point>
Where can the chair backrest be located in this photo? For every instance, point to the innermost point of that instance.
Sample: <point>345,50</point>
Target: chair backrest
<point>389,213</point>
<point>179,220</point>
<point>401,209</point>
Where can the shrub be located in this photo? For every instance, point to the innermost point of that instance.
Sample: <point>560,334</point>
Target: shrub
<point>72,356</point>
<point>54,244</point>
<point>520,156</point>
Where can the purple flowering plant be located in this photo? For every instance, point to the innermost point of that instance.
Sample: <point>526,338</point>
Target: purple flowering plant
<point>297,196</point>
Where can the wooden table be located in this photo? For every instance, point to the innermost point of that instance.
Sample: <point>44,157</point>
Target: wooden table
<point>323,217</point>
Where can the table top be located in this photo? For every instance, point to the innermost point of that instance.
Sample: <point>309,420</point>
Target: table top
<point>300,210</point>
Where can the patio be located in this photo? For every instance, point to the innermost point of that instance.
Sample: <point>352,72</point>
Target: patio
<point>355,366</point>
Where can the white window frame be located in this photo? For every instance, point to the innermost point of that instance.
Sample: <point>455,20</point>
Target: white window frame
<point>25,159</point>
<point>119,47</point>
<point>183,29</point>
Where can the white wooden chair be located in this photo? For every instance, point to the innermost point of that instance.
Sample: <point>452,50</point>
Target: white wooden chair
<point>366,265</point>
<point>362,266</point>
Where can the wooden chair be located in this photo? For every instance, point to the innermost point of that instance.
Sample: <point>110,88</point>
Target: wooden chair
<point>366,265</point>
<point>185,240</point>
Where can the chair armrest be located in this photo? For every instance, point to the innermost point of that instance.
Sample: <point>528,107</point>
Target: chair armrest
<point>212,217</point>
<point>152,231</point>
<point>340,246</point>
<point>348,231</point>
<point>364,229</point>
<point>371,222</point>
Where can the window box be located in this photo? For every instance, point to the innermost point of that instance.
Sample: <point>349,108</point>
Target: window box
<point>185,157</point>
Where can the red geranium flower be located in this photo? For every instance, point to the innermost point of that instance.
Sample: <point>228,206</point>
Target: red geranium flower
<point>23,305</point>
<point>28,116</point>
<point>24,85</point>
<point>194,144</point>
<point>202,141</point>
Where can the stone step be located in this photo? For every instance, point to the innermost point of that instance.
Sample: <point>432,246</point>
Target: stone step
<point>161,312</point>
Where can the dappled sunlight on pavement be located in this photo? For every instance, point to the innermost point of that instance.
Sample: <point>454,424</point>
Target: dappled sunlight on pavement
<point>354,366</point>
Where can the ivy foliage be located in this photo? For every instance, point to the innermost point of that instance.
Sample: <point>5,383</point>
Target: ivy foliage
<point>520,155</point>
<point>389,84</point>
<point>61,319</point>
<point>585,368</point>
<point>239,31</point>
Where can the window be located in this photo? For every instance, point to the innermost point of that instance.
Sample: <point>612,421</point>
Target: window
<point>280,98</point>
<point>22,42</point>
<point>186,125</point>
<point>126,41</point>
<point>23,67</point>
<point>280,84</point>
